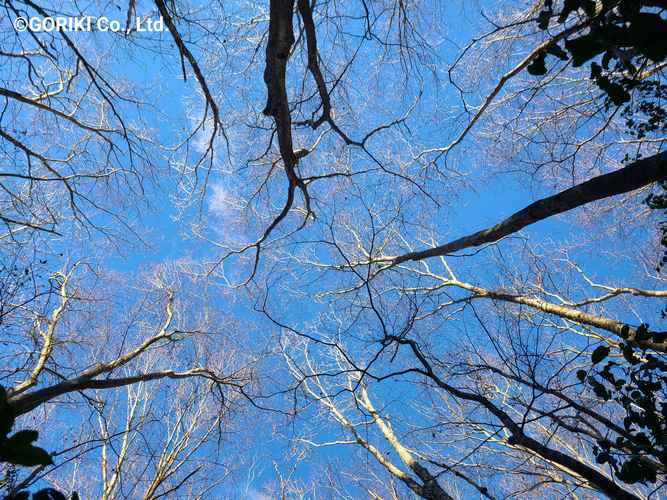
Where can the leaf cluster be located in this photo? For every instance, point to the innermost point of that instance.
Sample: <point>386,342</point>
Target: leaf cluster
<point>18,449</point>
<point>623,39</point>
<point>635,383</point>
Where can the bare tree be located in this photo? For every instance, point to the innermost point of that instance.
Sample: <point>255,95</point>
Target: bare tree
<point>318,159</point>
<point>155,375</point>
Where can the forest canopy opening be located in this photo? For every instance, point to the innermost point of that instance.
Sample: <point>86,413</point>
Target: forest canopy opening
<point>319,249</point>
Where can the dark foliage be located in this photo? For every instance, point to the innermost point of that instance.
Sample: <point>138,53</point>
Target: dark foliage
<point>18,449</point>
<point>623,40</point>
<point>635,383</point>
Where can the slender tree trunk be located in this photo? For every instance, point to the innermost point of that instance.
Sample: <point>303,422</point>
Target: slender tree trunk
<point>636,175</point>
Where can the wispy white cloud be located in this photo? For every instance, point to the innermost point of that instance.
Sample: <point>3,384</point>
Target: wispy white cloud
<point>258,495</point>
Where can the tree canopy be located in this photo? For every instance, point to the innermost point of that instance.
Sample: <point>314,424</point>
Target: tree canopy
<point>323,249</point>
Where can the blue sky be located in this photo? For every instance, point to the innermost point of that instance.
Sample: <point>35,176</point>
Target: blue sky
<point>174,225</point>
